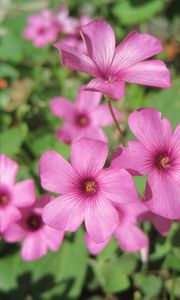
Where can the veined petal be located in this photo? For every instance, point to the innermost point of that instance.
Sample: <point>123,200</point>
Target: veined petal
<point>65,212</point>
<point>8,170</point>
<point>150,72</point>
<point>111,88</point>
<point>175,143</point>
<point>52,237</point>
<point>33,247</point>
<point>95,133</point>
<point>94,248</point>
<point>134,48</point>
<point>8,216</point>
<point>88,156</point>
<point>24,193</point>
<point>162,195</point>
<point>62,108</point>
<point>75,60</point>
<point>14,233</point>
<point>131,238</point>
<point>161,224</point>
<point>56,173</point>
<point>87,101</point>
<point>101,219</point>
<point>67,133</point>
<point>135,158</point>
<point>117,185</point>
<point>102,116</point>
<point>150,129</point>
<point>100,42</point>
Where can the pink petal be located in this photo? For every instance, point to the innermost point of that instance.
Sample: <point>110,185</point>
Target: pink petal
<point>117,185</point>
<point>14,233</point>
<point>144,254</point>
<point>100,42</point>
<point>94,248</point>
<point>134,48</point>
<point>150,72</point>
<point>8,216</point>
<point>33,247</point>
<point>52,237</point>
<point>8,170</point>
<point>162,195</point>
<point>65,213</point>
<point>56,173</point>
<point>131,238</point>
<point>88,156</point>
<point>24,193</point>
<point>101,219</point>
<point>103,117</point>
<point>161,224</point>
<point>75,60</point>
<point>175,144</point>
<point>113,89</point>
<point>135,158</point>
<point>67,133</point>
<point>62,108</point>
<point>87,100</point>
<point>150,129</point>
<point>95,133</point>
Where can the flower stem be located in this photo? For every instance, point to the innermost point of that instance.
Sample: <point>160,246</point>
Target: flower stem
<point>115,120</point>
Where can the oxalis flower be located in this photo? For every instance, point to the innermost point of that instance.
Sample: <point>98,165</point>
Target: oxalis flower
<point>112,67</point>
<point>88,192</point>
<point>157,155</point>
<point>13,195</point>
<point>36,236</point>
<point>84,118</point>
<point>129,236</point>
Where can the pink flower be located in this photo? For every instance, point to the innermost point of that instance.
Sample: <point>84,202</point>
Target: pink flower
<point>65,23</point>
<point>36,237</point>
<point>12,195</point>
<point>112,67</point>
<point>88,191</point>
<point>128,235</point>
<point>157,155</point>
<point>42,29</point>
<point>84,118</point>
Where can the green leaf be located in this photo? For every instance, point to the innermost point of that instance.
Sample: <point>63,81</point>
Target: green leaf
<point>150,285</point>
<point>11,48</point>
<point>12,139</point>
<point>130,13</point>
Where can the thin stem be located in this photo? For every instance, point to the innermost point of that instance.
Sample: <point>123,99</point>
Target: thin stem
<point>115,120</point>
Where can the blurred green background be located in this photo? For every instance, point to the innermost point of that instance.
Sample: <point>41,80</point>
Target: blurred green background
<point>29,78</point>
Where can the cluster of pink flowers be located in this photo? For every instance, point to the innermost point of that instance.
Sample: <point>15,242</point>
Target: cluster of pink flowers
<point>45,27</point>
<point>103,198</point>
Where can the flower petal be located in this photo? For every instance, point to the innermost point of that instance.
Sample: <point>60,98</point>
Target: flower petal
<point>117,185</point>
<point>134,48</point>
<point>175,144</point>
<point>95,133</point>
<point>161,224</point>
<point>56,173</point>
<point>14,233</point>
<point>8,170</point>
<point>67,133</point>
<point>33,247</point>
<point>150,129</point>
<point>52,237</point>
<point>94,248</point>
<point>87,100</point>
<point>162,195</point>
<point>100,42</point>
<point>65,212</point>
<point>131,238</point>
<point>75,60</point>
<point>150,72</point>
<point>62,108</point>
<point>113,89</point>
<point>101,219</point>
<point>88,156</point>
<point>24,193</point>
<point>103,117</point>
<point>135,158</point>
<point>8,216</point>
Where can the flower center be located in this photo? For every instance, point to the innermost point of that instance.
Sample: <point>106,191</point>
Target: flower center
<point>34,222</point>
<point>90,186</point>
<point>162,161</point>
<point>41,30</point>
<point>82,120</point>
<point>4,199</point>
